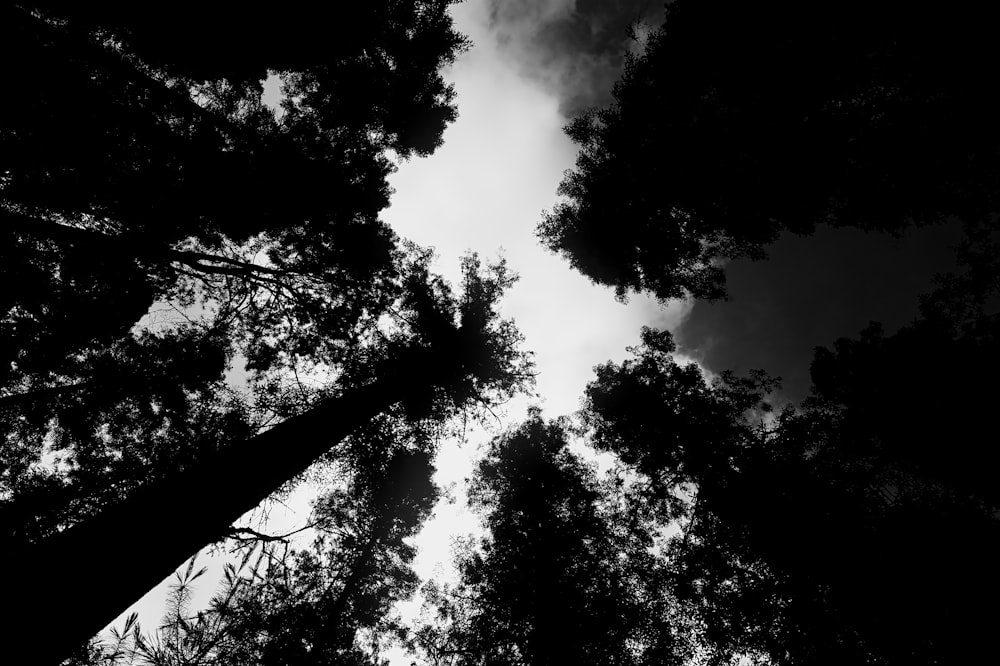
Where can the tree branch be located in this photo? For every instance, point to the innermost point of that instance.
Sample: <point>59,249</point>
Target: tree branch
<point>253,535</point>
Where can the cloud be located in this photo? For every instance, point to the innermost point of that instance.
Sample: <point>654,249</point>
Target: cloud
<point>811,291</point>
<point>572,48</point>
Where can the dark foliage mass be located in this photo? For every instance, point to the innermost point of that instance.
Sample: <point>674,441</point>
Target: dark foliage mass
<point>838,531</point>
<point>162,227</point>
<point>860,526</point>
<point>566,574</point>
<point>328,603</point>
<point>740,120</point>
<point>141,172</point>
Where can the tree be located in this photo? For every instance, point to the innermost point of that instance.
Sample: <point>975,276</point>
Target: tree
<point>741,120</point>
<point>837,531</point>
<point>565,573</point>
<point>134,177</point>
<point>133,169</point>
<point>313,605</point>
<point>477,364</point>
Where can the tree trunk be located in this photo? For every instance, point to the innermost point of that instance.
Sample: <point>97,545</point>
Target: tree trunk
<point>60,593</point>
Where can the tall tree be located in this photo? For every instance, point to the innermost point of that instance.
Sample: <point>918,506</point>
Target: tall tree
<point>838,531</point>
<point>835,532</point>
<point>144,171</point>
<point>565,573</point>
<point>740,120</point>
<point>459,353</point>
<point>322,604</point>
<point>137,171</point>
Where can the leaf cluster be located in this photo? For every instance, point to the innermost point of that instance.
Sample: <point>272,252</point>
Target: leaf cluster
<point>328,602</point>
<point>803,534</point>
<point>738,121</point>
<point>565,573</point>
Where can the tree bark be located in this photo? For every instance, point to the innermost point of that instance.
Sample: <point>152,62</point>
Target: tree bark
<point>60,593</point>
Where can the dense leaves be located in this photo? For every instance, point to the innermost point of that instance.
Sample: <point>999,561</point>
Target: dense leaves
<point>740,120</point>
<point>565,574</point>
<point>450,379</point>
<point>188,267</point>
<point>151,405</point>
<point>857,527</point>
<point>832,532</point>
<point>162,224</point>
<point>135,159</point>
<point>137,176</point>
<point>326,603</point>
<point>123,120</point>
<point>138,168</point>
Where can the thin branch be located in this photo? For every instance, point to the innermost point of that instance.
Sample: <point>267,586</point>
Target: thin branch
<point>194,258</point>
<point>253,535</point>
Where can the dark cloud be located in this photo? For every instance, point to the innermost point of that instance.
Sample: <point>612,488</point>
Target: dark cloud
<point>811,291</point>
<point>575,48</point>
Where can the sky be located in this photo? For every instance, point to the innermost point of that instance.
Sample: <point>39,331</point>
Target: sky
<point>534,64</point>
<point>811,291</point>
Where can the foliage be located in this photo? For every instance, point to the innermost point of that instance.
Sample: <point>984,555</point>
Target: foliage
<point>740,120</point>
<point>328,603</point>
<point>565,575</point>
<point>187,269</point>
<point>266,461</point>
<point>833,532</point>
<point>145,175</point>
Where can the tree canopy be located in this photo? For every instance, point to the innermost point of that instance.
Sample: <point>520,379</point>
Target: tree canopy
<point>739,120</point>
<point>137,170</point>
<point>164,227</point>
<point>328,602</point>
<point>200,302</point>
<point>565,573</point>
<point>841,529</point>
<point>835,531</point>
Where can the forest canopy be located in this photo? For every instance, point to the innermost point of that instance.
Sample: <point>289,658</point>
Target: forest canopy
<point>736,121</point>
<point>201,305</point>
<point>836,530</point>
<point>198,286</point>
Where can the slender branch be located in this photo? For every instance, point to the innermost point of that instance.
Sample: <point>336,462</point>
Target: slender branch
<point>139,249</point>
<point>253,535</point>
<point>195,259</point>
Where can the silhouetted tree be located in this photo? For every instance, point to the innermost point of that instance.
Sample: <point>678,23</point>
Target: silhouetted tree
<point>144,171</point>
<point>836,532</point>
<point>136,172</point>
<point>833,533</point>
<point>322,604</point>
<point>455,353</point>
<point>740,120</point>
<point>137,152</point>
<point>565,573</point>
